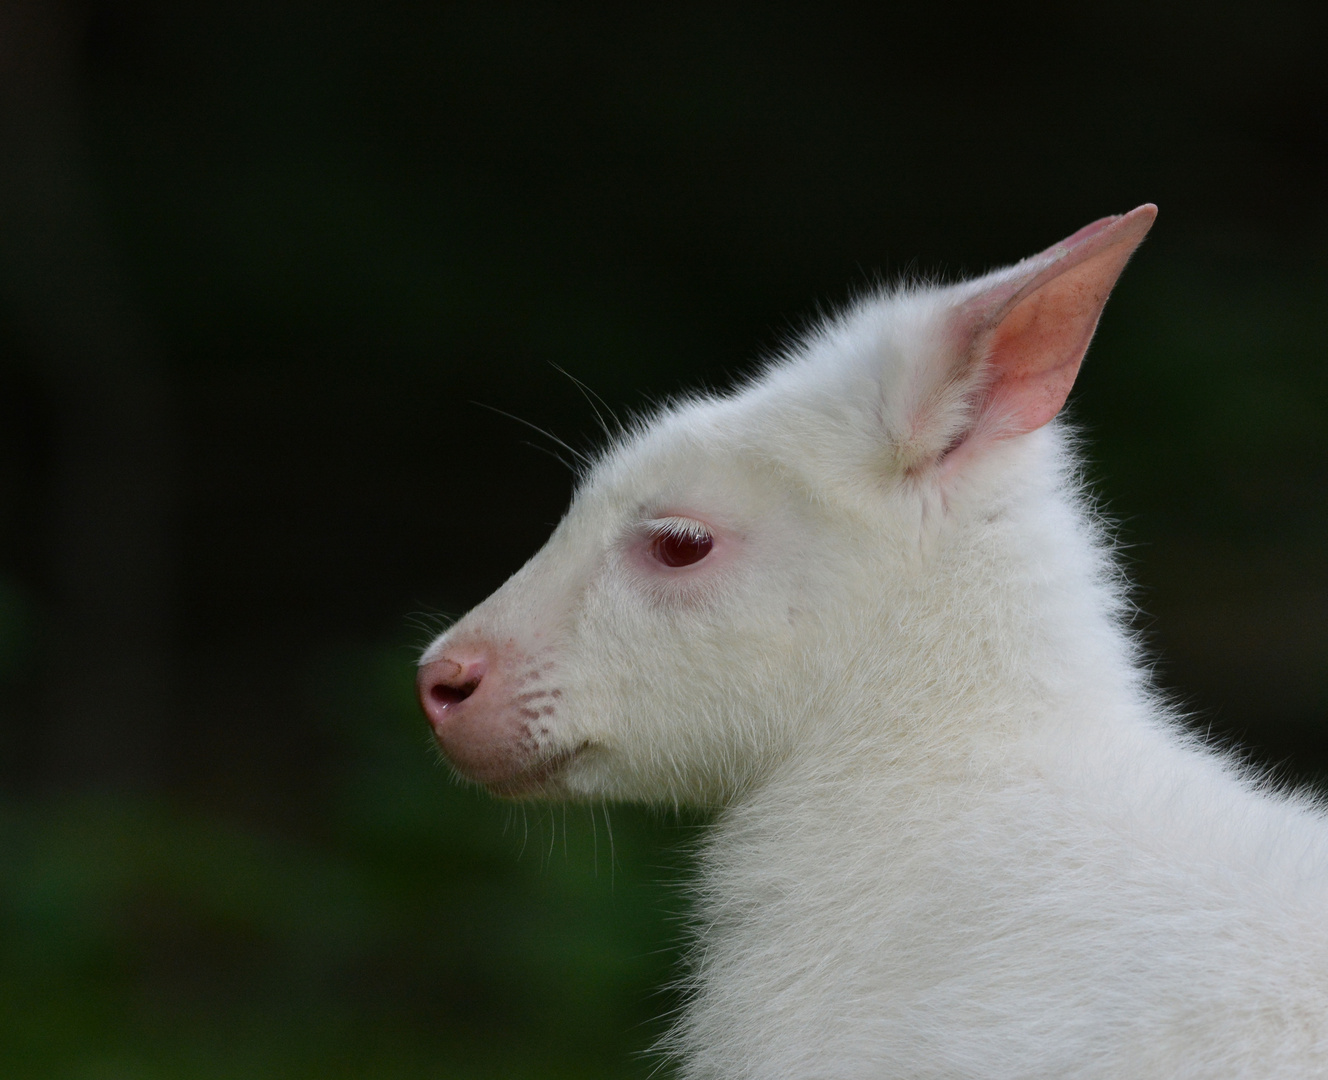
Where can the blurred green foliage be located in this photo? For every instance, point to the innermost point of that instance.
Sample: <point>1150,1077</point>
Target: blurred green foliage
<point>423,930</point>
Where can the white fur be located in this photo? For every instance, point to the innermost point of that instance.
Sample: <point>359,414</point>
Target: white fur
<point>958,835</point>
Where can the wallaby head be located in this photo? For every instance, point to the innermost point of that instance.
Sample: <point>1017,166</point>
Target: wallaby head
<point>831,555</point>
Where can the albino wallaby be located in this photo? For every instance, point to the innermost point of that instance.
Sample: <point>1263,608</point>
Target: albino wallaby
<point>861,606</point>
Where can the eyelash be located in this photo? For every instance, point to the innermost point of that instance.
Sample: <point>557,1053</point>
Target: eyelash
<point>677,542</point>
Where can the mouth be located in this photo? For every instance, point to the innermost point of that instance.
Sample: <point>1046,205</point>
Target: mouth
<point>541,778</point>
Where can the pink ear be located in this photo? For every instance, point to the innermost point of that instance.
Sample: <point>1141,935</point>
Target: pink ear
<point>1031,327</point>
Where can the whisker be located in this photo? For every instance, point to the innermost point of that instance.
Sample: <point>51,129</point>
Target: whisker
<point>591,398</point>
<point>553,454</point>
<point>608,827</point>
<point>594,838</point>
<point>577,455</point>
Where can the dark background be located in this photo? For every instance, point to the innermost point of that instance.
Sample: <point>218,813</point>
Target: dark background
<point>258,262</point>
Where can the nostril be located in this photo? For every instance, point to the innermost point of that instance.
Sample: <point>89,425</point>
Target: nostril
<point>446,682</point>
<point>445,694</point>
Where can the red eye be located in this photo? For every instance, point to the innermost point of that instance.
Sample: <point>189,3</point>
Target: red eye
<point>678,548</point>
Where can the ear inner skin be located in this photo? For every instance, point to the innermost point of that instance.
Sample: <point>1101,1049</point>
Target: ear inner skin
<point>1032,345</point>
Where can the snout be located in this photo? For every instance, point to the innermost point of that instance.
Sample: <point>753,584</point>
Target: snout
<point>490,716</point>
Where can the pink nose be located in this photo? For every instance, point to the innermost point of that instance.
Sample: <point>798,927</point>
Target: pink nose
<point>445,683</point>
